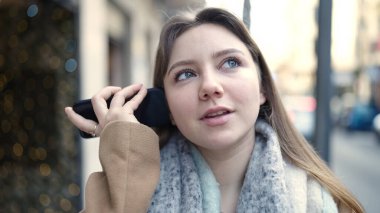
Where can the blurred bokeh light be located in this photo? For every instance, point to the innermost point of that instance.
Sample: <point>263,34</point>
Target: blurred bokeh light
<point>39,158</point>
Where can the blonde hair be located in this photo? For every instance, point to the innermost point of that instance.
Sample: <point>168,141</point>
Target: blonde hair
<point>293,145</point>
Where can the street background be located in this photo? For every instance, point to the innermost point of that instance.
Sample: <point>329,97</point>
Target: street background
<point>323,55</point>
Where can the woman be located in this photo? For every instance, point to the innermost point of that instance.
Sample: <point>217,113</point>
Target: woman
<point>231,147</point>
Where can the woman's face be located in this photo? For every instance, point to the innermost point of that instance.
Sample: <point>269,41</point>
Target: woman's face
<point>212,88</point>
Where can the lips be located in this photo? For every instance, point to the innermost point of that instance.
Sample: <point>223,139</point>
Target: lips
<point>215,112</point>
<point>216,116</point>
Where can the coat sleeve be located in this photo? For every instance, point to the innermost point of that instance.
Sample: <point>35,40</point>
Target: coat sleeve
<point>129,155</point>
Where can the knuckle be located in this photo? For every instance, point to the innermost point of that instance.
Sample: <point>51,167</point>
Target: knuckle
<point>95,97</point>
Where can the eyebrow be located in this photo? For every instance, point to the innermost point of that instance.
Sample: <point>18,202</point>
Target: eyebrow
<point>214,55</point>
<point>180,63</point>
<point>226,52</point>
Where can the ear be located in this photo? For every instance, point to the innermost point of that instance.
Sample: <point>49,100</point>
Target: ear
<point>262,98</point>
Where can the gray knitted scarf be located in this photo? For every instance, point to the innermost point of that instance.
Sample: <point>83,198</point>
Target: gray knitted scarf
<point>270,185</point>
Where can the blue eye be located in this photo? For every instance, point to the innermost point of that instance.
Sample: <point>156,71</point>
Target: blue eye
<point>231,63</point>
<point>183,75</point>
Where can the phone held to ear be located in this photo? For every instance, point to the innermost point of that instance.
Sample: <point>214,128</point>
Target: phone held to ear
<point>153,110</point>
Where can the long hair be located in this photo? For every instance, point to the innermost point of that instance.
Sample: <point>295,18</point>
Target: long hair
<point>293,145</point>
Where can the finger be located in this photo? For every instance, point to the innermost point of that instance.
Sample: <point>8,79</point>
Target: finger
<point>119,98</point>
<point>86,125</point>
<point>99,101</point>
<point>134,103</point>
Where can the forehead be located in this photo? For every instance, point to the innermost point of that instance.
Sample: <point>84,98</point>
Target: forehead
<point>205,38</point>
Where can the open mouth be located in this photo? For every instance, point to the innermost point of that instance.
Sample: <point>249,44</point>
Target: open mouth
<point>216,114</point>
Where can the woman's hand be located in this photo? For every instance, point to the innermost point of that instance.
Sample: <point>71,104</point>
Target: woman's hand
<point>119,109</point>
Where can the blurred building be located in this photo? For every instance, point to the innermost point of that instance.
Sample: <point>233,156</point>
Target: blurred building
<point>367,83</point>
<point>357,78</point>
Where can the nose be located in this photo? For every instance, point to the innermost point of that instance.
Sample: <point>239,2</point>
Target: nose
<point>210,87</point>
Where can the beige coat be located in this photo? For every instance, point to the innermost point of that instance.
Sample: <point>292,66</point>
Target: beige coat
<point>129,155</point>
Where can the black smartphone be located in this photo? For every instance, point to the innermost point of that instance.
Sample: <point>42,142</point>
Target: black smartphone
<point>153,110</point>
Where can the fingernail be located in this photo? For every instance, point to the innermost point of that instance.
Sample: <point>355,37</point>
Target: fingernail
<point>67,109</point>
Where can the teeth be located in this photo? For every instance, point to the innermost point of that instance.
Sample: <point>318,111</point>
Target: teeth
<point>216,114</point>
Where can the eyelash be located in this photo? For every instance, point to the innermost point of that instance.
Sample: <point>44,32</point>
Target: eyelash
<point>236,60</point>
<point>178,74</point>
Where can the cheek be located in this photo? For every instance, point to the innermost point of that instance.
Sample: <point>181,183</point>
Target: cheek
<point>180,106</point>
<point>249,100</point>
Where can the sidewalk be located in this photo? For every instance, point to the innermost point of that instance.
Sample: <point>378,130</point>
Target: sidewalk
<point>355,159</point>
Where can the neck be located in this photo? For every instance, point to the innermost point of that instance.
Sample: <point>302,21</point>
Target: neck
<point>229,167</point>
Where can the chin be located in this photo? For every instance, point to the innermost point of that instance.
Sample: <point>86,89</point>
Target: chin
<point>216,144</point>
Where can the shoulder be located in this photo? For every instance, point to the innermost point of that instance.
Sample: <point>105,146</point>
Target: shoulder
<point>308,193</point>
<point>318,196</point>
